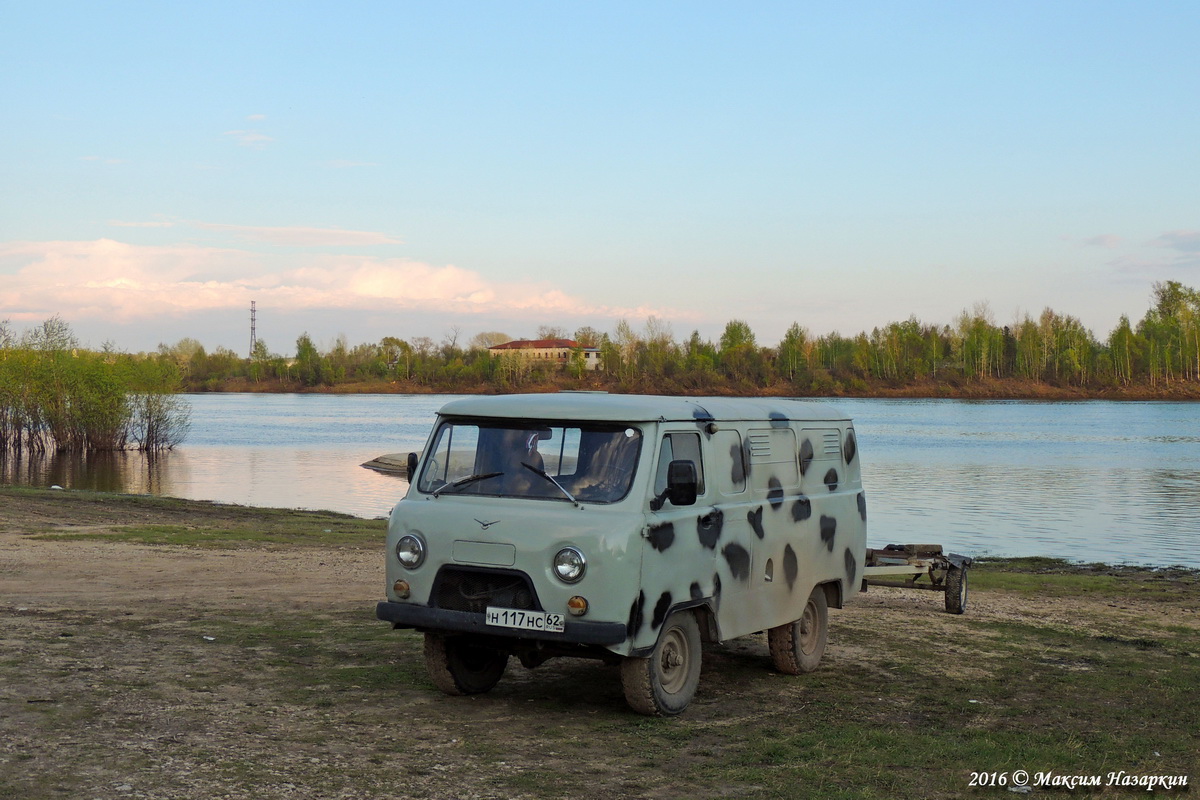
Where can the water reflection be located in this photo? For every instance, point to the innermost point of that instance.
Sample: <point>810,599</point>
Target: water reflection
<point>125,472</point>
<point>1102,481</point>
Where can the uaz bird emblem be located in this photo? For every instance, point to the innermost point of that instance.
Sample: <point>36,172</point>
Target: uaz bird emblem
<point>486,525</point>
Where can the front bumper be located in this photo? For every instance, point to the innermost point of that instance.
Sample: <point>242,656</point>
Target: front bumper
<point>407,615</point>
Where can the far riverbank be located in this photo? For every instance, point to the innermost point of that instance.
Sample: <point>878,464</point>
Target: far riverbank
<point>996,389</point>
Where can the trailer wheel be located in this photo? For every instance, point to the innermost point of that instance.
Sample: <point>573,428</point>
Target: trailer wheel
<point>457,665</point>
<point>956,590</point>
<point>664,683</point>
<point>797,647</point>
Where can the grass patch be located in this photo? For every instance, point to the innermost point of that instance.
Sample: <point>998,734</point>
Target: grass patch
<point>150,520</point>
<point>1047,577</point>
<point>302,533</point>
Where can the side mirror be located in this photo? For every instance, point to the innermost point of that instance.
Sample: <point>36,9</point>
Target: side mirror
<point>681,483</point>
<point>412,466</point>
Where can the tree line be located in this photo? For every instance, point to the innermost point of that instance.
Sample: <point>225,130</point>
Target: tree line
<point>1052,349</point>
<point>56,397</point>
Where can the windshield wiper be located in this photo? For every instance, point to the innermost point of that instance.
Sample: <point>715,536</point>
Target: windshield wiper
<point>464,481</point>
<point>550,478</point>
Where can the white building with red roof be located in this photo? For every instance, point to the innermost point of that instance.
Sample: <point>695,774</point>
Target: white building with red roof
<point>549,351</point>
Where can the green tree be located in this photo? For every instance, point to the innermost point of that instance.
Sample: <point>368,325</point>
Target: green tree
<point>792,361</point>
<point>309,366</point>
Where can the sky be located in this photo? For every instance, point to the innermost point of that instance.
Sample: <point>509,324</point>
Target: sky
<point>371,169</point>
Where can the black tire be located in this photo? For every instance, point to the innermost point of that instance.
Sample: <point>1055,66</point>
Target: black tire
<point>956,590</point>
<point>664,683</point>
<point>798,646</point>
<point>457,665</point>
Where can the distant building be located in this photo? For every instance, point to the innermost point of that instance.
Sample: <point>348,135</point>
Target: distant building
<point>557,351</point>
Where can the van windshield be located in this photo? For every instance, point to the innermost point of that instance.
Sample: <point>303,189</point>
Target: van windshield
<point>588,462</point>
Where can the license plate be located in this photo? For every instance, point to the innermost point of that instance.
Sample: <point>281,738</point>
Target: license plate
<point>525,620</point>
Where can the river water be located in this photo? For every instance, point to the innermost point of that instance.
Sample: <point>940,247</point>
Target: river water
<point>1089,481</point>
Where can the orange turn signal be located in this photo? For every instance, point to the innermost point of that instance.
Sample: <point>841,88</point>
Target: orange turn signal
<point>577,605</point>
<point>401,589</point>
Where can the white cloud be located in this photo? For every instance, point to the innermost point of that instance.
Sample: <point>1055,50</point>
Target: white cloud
<point>1107,240</point>
<point>1183,241</point>
<point>111,280</point>
<point>250,138</point>
<point>256,117</point>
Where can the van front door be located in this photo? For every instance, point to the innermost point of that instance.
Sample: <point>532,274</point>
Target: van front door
<point>680,552</point>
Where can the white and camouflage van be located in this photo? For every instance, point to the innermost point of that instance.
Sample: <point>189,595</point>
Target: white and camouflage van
<point>627,528</point>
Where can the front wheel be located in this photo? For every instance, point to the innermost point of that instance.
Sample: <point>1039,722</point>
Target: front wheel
<point>797,647</point>
<point>457,665</point>
<point>664,683</point>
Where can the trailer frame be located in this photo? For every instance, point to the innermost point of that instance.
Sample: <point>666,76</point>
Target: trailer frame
<point>904,565</point>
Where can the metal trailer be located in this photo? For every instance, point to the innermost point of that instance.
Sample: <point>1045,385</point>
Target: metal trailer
<point>904,566</point>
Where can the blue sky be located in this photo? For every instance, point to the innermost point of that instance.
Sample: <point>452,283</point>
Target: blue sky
<point>407,169</point>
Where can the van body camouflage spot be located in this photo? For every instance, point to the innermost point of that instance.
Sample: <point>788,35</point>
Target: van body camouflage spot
<point>806,456</point>
<point>738,559</point>
<point>695,592</point>
<point>828,531</point>
<point>801,509</point>
<point>737,470</point>
<point>709,527</point>
<point>791,566</point>
<point>754,517</point>
<point>775,493</point>
<point>862,505</point>
<point>662,536</point>
<point>635,615</point>
<point>831,480</point>
<point>778,420</point>
<point>660,610</point>
<point>851,446</point>
<point>851,569</point>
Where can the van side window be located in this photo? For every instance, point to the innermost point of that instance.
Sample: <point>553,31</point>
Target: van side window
<point>679,447</point>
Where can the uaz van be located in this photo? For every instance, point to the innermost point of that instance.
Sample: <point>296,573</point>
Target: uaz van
<point>626,528</point>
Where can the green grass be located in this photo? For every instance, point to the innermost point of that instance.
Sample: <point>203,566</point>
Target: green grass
<point>1046,577</point>
<point>305,532</point>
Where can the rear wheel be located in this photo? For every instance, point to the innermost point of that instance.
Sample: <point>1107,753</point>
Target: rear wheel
<point>956,590</point>
<point>798,646</point>
<point>664,683</point>
<point>458,665</point>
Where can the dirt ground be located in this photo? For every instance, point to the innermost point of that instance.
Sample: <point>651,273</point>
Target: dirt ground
<point>156,671</point>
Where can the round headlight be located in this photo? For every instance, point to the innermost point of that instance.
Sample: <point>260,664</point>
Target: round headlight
<point>410,551</point>
<point>569,564</point>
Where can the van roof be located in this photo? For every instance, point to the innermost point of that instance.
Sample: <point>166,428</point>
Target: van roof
<point>601,406</point>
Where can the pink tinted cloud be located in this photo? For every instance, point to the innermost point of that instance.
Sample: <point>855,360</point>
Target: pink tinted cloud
<point>108,279</point>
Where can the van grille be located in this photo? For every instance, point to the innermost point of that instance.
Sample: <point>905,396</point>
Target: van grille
<point>464,589</point>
